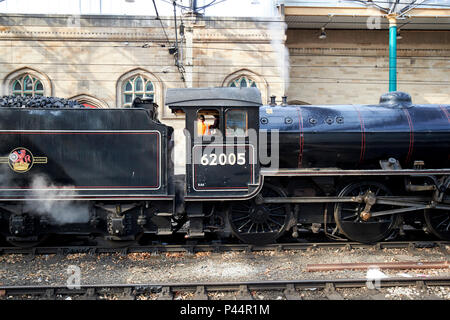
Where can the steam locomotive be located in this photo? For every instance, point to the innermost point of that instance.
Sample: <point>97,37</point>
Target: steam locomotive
<point>361,172</point>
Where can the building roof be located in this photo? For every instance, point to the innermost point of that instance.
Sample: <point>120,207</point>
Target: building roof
<point>213,97</point>
<point>299,14</point>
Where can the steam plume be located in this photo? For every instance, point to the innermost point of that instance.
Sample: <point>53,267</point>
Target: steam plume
<point>277,30</point>
<point>60,212</point>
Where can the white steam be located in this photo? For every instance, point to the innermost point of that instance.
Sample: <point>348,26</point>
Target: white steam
<point>41,199</point>
<point>277,30</point>
<point>60,212</point>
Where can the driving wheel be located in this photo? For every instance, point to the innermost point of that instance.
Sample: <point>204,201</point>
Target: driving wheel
<point>438,223</point>
<point>259,223</point>
<point>349,216</point>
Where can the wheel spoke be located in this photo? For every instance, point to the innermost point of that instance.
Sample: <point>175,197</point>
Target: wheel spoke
<point>270,219</point>
<point>240,211</point>
<point>245,223</point>
<point>443,221</point>
<point>350,217</point>
<point>277,208</point>
<point>270,228</point>
<point>242,218</point>
<point>262,227</point>
<point>350,209</point>
<point>277,215</point>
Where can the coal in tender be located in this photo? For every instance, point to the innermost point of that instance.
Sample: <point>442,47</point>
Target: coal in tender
<point>38,102</point>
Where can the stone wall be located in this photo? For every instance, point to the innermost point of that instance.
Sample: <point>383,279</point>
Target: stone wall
<point>352,66</point>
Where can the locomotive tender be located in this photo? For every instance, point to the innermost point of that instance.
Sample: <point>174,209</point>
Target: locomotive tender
<point>362,172</point>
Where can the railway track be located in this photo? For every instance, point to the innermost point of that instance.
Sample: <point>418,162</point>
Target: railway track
<point>219,247</point>
<point>286,289</point>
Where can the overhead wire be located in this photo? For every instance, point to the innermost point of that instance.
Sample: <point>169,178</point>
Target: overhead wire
<point>213,2</point>
<point>162,25</point>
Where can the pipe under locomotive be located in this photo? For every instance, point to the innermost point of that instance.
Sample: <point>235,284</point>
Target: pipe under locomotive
<point>362,172</point>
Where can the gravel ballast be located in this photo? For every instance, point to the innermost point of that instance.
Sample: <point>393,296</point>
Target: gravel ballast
<point>219,267</point>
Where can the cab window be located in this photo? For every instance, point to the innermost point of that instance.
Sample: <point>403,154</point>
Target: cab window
<point>236,123</point>
<point>207,123</point>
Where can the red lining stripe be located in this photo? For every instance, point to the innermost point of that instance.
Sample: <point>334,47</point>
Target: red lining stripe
<point>445,112</point>
<point>302,139</point>
<point>56,132</point>
<point>411,135</point>
<point>354,172</point>
<point>86,187</point>
<point>96,187</point>
<point>95,197</point>
<point>363,135</point>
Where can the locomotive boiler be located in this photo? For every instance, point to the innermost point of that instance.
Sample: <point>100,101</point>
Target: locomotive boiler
<point>363,172</point>
<point>356,136</point>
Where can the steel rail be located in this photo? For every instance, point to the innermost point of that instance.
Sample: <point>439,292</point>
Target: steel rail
<point>379,265</point>
<point>200,289</point>
<point>194,248</point>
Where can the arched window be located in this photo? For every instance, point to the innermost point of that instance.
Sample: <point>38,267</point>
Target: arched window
<point>137,86</point>
<point>247,78</point>
<point>27,85</point>
<point>89,101</point>
<point>242,82</point>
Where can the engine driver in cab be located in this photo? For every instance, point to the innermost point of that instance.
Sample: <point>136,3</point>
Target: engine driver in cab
<point>207,129</point>
<point>202,127</point>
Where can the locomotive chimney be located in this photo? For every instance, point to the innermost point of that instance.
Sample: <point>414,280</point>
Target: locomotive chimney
<point>284,100</point>
<point>272,101</point>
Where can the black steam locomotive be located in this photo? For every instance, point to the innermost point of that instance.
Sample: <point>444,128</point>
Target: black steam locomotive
<point>364,172</point>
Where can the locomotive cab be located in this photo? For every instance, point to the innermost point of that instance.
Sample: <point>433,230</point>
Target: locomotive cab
<point>221,140</point>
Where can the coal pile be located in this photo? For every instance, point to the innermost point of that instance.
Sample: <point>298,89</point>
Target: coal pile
<point>37,102</point>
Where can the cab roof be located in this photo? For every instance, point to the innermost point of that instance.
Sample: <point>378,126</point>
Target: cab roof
<point>213,97</point>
